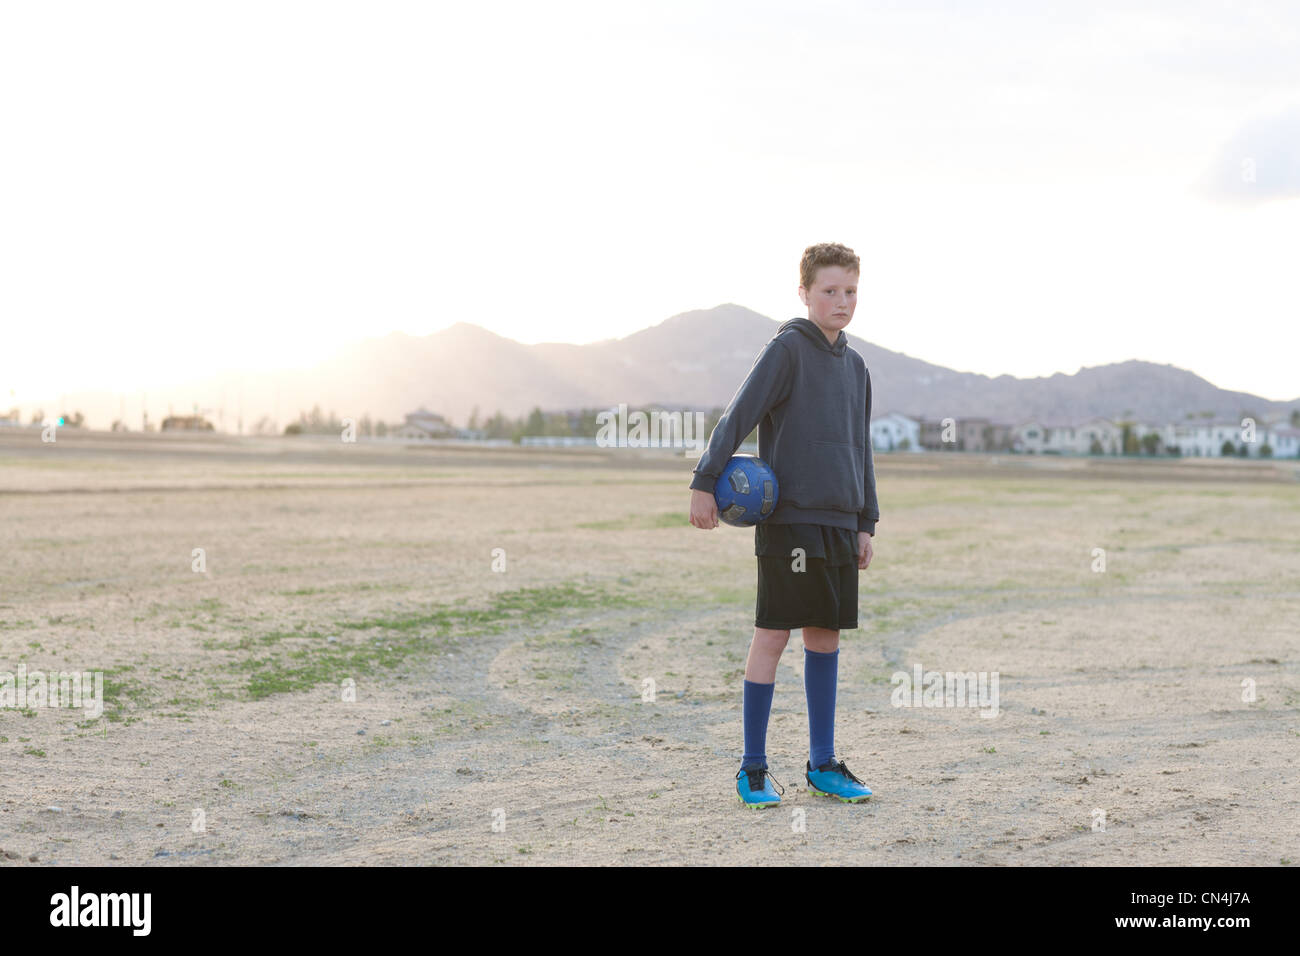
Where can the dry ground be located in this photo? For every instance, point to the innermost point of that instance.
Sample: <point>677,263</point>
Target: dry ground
<point>514,697</point>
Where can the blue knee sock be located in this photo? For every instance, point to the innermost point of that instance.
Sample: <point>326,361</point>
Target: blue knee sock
<point>757,707</point>
<point>819,673</point>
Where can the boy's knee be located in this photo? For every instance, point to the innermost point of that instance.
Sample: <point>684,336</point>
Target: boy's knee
<point>772,636</point>
<point>821,632</point>
<point>820,639</point>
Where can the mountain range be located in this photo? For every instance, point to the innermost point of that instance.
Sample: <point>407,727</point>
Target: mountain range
<point>692,360</point>
<point>697,359</point>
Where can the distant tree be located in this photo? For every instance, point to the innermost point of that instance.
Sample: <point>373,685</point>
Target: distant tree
<point>536,423</point>
<point>472,424</point>
<point>557,423</point>
<point>1266,450</point>
<point>1295,418</point>
<point>587,424</point>
<point>499,426</point>
<point>1151,443</point>
<point>316,422</point>
<point>293,428</point>
<point>1095,448</point>
<point>38,416</point>
<point>1227,448</point>
<point>381,430</point>
<point>1128,440</point>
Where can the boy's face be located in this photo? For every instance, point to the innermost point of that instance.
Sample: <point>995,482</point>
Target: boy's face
<point>832,299</point>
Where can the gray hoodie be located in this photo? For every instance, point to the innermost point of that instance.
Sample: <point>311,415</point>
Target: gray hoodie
<point>811,402</point>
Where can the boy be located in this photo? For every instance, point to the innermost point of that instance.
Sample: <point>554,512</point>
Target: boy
<point>810,396</point>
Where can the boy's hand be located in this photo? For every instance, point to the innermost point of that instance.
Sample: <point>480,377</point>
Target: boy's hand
<point>704,510</point>
<point>864,550</point>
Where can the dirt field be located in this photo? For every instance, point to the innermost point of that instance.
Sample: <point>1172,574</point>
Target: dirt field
<point>499,714</point>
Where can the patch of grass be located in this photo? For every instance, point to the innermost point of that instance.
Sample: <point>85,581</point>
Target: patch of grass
<point>249,642</point>
<point>418,633</point>
<point>733,595</point>
<point>641,522</point>
<point>524,605</point>
<point>578,637</point>
<point>120,692</point>
<point>554,675</point>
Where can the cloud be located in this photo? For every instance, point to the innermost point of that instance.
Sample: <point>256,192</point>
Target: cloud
<point>1260,163</point>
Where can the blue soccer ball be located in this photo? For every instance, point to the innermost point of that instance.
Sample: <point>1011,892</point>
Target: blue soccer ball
<point>746,491</point>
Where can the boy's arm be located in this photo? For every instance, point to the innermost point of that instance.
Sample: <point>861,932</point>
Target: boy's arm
<point>870,513</point>
<point>767,385</point>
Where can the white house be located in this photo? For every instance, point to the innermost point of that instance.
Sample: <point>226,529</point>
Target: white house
<point>1165,434</point>
<point>896,432</point>
<point>1205,438</point>
<point>1029,437</point>
<point>425,424</point>
<point>1104,431</point>
<point>1285,441</point>
<point>1038,437</point>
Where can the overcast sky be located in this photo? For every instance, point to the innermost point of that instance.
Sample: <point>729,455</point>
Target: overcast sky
<point>1032,187</point>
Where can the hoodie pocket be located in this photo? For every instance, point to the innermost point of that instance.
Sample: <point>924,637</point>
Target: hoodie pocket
<point>830,477</point>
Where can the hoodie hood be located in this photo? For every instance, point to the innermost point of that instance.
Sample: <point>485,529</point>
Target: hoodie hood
<point>809,328</point>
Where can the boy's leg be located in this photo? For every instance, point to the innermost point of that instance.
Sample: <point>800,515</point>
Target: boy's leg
<point>760,680</point>
<point>765,653</point>
<point>820,672</point>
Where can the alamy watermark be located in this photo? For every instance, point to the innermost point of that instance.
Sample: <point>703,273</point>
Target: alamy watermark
<point>655,429</point>
<point>940,689</point>
<point>65,689</point>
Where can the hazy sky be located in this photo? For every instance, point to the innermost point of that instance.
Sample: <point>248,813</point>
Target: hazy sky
<point>1032,186</point>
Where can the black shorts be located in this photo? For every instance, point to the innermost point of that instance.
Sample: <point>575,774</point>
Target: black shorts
<point>823,594</point>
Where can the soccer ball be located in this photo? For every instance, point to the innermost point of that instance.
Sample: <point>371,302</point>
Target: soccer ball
<point>745,491</point>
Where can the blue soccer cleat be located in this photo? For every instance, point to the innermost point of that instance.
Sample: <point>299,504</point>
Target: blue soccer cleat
<point>754,787</point>
<point>833,779</point>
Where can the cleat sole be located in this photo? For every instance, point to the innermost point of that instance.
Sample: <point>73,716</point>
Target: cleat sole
<point>823,793</point>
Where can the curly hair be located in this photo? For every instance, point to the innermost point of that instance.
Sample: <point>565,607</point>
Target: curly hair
<point>825,254</point>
